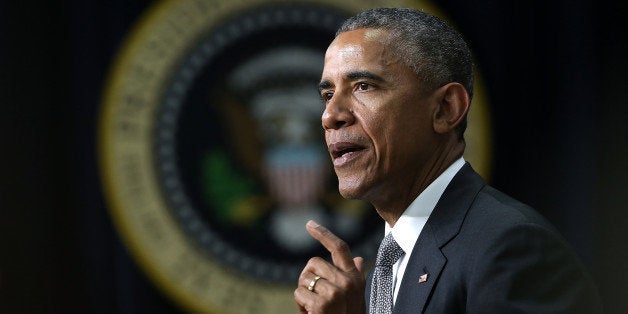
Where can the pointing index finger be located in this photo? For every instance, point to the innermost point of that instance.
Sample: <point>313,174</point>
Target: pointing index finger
<point>339,249</point>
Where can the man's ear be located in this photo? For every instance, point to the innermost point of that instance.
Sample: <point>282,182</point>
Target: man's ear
<point>453,105</point>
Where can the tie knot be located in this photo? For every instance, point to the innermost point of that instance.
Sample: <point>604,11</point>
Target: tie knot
<point>389,252</point>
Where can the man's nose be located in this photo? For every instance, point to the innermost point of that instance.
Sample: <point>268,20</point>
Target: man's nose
<point>337,114</point>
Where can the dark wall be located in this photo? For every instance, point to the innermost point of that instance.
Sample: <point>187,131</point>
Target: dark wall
<point>555,73</point>
<point>38,219</point>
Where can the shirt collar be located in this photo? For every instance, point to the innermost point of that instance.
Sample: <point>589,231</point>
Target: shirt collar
<point>408,227</point>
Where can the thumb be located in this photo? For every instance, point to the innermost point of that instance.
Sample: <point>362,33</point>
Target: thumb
<point>359,264</point>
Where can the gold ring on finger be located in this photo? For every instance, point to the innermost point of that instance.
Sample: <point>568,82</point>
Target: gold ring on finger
<point>313,283</point>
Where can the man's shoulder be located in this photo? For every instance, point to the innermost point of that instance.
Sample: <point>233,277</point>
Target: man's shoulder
<point>471,201</point>
<point>500,209</point>
<point>495,219</point>
<point>473,217</point>
<point>501,245</point>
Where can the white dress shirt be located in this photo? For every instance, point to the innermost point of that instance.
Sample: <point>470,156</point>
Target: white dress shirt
<point>408,228</point>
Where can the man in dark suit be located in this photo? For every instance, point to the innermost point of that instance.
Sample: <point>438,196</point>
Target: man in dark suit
<point>397,85</point>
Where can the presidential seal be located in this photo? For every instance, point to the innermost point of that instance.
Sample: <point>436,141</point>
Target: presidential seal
<point>212,154</point>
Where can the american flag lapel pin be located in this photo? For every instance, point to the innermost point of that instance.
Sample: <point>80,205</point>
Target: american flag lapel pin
<point>423,278</point>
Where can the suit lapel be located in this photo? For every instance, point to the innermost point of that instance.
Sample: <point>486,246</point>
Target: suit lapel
<point>427,258</point>
<point>414,294</point>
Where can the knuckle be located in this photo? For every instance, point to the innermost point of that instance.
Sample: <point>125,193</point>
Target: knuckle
<point>344,282</point>
<point>311,265</point>
<point>313,262</point>
<point>336,294</point>
<point>302,276</point>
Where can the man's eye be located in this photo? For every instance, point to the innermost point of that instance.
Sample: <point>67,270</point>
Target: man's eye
<point>363,86</point>
<point>327,96</point>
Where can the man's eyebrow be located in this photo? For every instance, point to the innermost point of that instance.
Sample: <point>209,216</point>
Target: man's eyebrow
<point>364,75</point>
<point>353,75</point>
<point>324,84</point>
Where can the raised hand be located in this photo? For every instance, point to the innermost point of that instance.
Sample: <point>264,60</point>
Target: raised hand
<point>331,288</point>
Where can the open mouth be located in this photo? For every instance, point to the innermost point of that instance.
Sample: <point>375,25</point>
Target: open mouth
<point>341,149</point>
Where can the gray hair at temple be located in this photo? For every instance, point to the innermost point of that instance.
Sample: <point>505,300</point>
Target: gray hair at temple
<point>434,50</point>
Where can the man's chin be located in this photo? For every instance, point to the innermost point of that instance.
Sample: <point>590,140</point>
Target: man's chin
<point>350,191</point>
<point>348,195</point>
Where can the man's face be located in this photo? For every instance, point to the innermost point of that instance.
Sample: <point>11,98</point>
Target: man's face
<point>377,120</point>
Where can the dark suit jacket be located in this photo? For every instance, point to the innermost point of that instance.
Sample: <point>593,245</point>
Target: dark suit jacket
<point>484,252</point>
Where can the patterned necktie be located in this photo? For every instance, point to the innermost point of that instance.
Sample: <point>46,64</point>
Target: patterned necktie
<point>382,287</point>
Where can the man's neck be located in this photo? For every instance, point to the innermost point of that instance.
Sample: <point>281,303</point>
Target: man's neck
<point>393,209</point>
